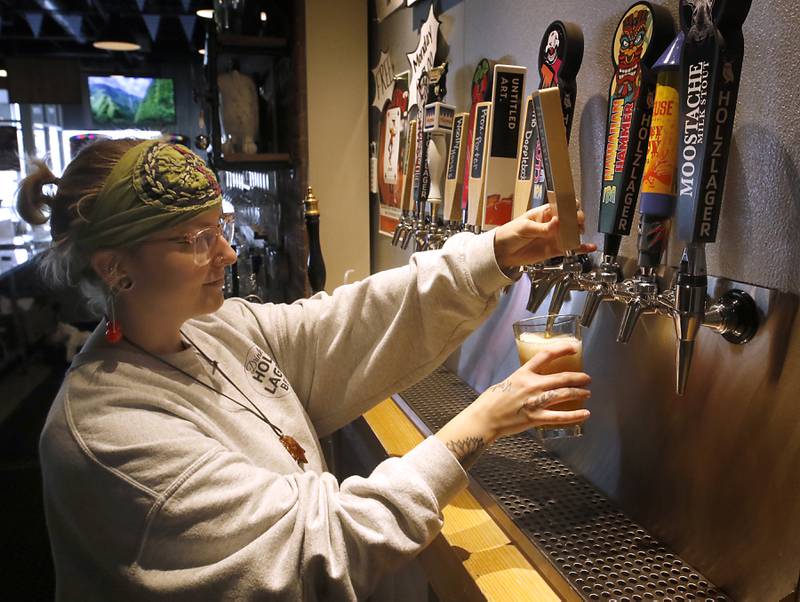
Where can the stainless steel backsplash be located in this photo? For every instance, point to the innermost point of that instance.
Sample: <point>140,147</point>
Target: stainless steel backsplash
<point>715,474</point>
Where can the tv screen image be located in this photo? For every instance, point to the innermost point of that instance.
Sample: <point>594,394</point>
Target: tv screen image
<point>131,101</point>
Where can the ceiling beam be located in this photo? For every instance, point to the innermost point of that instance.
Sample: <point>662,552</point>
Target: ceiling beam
<point>55,10</point>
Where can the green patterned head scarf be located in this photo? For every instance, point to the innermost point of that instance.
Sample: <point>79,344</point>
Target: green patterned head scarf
<point>154,186</point>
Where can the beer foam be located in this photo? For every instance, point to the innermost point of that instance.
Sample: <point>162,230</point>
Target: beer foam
<point>540,338</point>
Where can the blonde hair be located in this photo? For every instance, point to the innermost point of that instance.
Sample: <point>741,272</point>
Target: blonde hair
<point>77,190</point>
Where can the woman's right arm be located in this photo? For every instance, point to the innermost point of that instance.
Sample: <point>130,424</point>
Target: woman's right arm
<point>520,402</point>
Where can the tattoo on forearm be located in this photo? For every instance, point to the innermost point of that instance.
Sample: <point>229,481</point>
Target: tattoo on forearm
<point>534,403</point>
<point>502,387</point>
<point>467,450</point>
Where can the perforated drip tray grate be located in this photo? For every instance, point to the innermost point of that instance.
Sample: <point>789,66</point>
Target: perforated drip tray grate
<point>602,553</point>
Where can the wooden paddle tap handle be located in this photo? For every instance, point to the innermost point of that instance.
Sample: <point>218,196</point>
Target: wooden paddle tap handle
<point>558,171</point>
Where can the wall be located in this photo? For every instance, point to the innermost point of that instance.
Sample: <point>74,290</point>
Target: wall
<point>761,209</point>
<point>713,473</point>
<point>338,168</point>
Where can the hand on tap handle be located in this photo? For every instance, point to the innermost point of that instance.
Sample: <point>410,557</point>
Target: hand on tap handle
<point>532,238</point>
<point>522,401</point>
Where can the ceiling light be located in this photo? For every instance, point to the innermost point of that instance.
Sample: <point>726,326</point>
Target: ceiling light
<point>115,36</point>
<point>205,13</point>
<point>117,45</point>
<point>3,73</point>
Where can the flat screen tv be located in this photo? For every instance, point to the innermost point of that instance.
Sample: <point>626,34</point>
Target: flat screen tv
<point>122,101</point>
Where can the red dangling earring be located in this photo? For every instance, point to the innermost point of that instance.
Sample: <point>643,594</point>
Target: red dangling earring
<point>113,329</point>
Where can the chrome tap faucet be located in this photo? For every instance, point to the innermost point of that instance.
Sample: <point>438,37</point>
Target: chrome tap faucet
<point>626,147</point>
<point>568,278</point>
<point>600,285</point>
<point>711,67</point>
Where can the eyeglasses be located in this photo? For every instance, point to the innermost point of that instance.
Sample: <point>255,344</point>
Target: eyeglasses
<point>202,241</point>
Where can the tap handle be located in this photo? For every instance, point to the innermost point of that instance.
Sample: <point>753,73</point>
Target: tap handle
<point>711,65</point>
<point>658,183</point>
<point>437,125</point>
<point>528,142</point>
<point>478,164</point>
<point>481,91</point>
<point>641,36</point>
<point>560,57</point>
<point>406,195</point>
<point>508,94</point>
<point>454,179</point>
<point>421,175</point>
<point>555,158</point>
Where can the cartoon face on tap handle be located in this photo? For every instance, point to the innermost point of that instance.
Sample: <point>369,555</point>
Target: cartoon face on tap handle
<point>631,46</point>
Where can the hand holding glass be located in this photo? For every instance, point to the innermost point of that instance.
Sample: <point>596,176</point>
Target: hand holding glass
<point>532,336</point>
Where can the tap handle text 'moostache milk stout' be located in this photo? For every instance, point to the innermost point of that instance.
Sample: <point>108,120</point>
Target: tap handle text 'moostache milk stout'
<point>560,57</point>
<point>643,33</point>
<point>711,66</point>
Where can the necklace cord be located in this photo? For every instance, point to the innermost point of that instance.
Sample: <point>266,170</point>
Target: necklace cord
<point>289,443</point>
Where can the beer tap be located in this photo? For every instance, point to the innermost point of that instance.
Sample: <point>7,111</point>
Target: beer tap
<point>558,175</point>
<point>438,124</point>
<point>561,193</point>
<point>454,180</point>
<point>407,219</point>
<point>641,37</point>
<point>657,206</point>
<point>711,64</point>
<point>560,57</point>
<point>502,142</point>
<point>419,188</point>
<point>477,166</point>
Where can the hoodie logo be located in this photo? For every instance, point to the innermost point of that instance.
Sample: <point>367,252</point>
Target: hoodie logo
<point>264,374</point>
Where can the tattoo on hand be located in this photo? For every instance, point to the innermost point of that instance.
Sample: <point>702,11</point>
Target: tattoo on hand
<point>534,403</point>
<point>466,450</point>
<point>502,387</point>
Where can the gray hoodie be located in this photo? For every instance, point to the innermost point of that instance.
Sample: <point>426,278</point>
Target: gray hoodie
<point>157,488</point>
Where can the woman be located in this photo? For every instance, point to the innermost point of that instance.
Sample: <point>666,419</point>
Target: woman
<point>181,458</point>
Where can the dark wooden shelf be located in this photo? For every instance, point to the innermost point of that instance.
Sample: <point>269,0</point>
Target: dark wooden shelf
<point>255,162</point>
<point>256,158</point>
<point>231,42</point>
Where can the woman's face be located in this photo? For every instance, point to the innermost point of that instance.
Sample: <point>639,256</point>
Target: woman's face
<point>167,280</point>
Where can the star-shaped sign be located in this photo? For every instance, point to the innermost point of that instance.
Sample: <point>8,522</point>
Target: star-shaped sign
<point>383,75</point>
<point>423,58</point>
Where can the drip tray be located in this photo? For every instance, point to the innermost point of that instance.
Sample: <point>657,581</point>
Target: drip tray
<point>602,553</point>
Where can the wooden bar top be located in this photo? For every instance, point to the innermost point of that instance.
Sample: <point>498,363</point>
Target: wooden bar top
<point>473,558</point>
